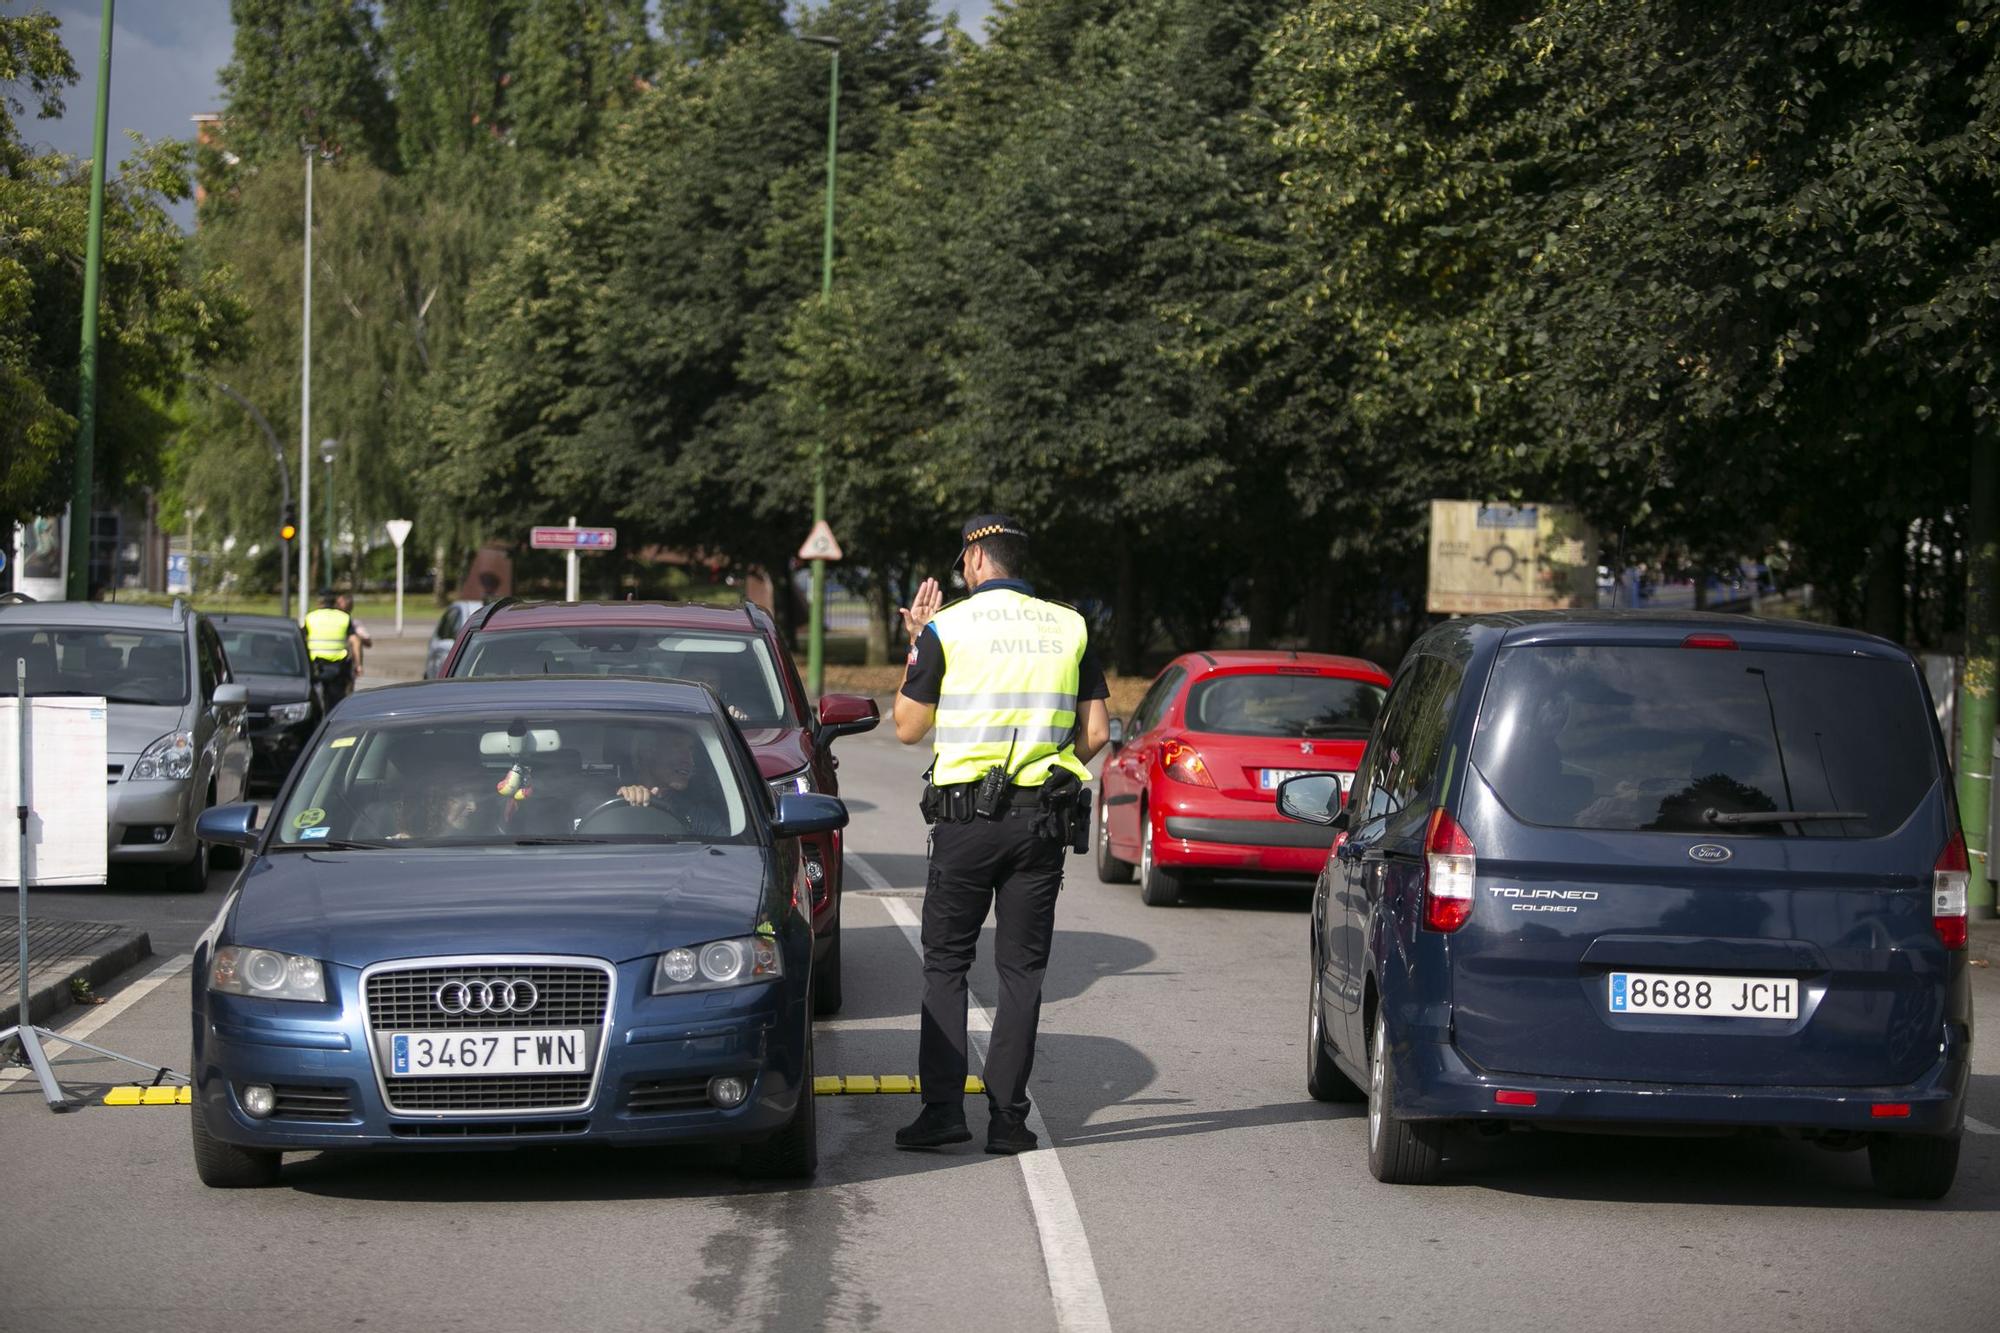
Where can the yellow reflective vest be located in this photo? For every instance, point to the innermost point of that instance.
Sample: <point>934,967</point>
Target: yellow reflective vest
<point>326,634</point>
<point>1011,668</point>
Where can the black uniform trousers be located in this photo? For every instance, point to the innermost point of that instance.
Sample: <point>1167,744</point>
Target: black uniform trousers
<point>336,678</point>
<point>1004,864</point>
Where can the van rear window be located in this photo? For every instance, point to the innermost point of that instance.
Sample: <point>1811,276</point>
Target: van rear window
<point>1679,740</point>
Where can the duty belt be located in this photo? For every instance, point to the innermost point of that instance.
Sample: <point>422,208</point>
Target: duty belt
<point>953,804</point>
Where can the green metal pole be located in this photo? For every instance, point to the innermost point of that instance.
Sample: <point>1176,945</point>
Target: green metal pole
<point>1975,691</point>
<point>82,497</point>
<point>816,635</point>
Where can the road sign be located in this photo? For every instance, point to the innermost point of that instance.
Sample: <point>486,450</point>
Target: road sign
<point>1491,557</point>
<point>820,544</point>
<point>399,531</point>
<point>573,539</point>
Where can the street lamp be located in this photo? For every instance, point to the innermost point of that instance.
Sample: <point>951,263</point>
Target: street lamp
<point>327,449</point>
<point>816,635</point>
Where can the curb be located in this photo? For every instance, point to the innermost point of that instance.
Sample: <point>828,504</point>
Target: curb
<point>50,998</point>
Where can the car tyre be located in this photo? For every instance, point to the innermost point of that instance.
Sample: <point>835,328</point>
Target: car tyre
<point>1323,1078</point>
<point>1157,887</point>
<point>1110,870</point>
<point>224,1166</point>
<point>793,1152</point>
<point>192,877</point>
<point>826,977</point>
<point>1400,1152</point>
<point>1914,1166</point>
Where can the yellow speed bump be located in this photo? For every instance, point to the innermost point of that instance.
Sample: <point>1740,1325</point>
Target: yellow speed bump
<point>132,1094</point>
<point>849,1085</point>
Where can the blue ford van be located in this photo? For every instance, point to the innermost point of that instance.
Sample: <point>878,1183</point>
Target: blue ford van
<point>1626,870</point>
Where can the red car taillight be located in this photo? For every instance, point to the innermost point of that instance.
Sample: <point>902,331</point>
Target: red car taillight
<point>1949,881</point>
<point>1182,763</point>
<point>1450,866</point>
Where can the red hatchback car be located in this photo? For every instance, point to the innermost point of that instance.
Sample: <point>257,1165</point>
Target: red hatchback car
<point>734,650</point>
<point>1190,787</point>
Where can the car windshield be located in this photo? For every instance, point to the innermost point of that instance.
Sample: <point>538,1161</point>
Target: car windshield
<point>123,665</point>
<point>1285,705</point>
<point>1680,740</point>
<point>263,652</point>
<point>738,667</point>
<point>517,777</point>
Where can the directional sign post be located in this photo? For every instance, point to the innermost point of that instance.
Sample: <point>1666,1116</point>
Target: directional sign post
<point>573,539</point>
<point>399,532</point>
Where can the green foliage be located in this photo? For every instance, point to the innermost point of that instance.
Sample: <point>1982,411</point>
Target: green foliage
<point>152,319</point>
<point>311,71</point>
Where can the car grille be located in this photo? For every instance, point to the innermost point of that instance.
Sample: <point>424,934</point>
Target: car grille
<point>298,1101</point>
<point>656,1095</point>
<point>569,997</point>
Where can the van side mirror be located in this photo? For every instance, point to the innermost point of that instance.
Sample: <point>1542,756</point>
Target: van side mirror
<point>1312,798</point>
<point>230,695</point>
<point>800,813</point>
<point>230,825</point>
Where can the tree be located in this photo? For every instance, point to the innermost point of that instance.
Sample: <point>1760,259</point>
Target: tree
<point>306,71</point>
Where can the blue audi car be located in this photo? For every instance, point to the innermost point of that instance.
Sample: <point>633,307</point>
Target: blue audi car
<point>1642,872</point>
<point>498,913</point>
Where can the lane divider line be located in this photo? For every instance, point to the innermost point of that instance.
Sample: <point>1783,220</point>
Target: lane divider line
<point>835,1085</point>
<point>1979,1126</point>
<point>1074,1288</point>
<point>110,1009</point>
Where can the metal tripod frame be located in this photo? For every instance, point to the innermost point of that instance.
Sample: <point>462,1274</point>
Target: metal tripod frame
<point>24,1031</point>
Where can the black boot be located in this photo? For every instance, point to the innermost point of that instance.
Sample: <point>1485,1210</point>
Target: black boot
<point>1006,1135</point>
<point>938,1124</point>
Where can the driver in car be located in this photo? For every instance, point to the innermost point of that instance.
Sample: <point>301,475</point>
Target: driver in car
<point>674,777</point>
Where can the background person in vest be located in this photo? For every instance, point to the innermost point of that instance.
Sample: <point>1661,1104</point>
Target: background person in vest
<point>363,639</point>
<point>1017,700</point>
<point>331,642</point>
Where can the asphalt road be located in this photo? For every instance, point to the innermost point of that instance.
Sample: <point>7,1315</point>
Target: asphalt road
<point>1193,1184</point>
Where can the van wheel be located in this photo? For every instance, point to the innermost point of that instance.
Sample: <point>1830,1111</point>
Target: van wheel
<point>1110,870</point>
<point>1914,1166</point>
<point>793,1152</point>
<point>1323,1078</point>
<point>224,1166</point>
<point>826,976</point>
<point>1157,887</point>
<point>1400,1152</point>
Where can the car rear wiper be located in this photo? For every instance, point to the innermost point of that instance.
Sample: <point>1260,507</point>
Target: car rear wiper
<point>1776,816</point>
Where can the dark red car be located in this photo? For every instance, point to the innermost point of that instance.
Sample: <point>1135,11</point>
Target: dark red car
<point>1190,786</point>
<point>738,653</point>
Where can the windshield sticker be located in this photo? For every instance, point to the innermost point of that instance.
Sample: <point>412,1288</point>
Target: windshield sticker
<point>340,742</point>
<point>307,835</point>
<point>308,817</point>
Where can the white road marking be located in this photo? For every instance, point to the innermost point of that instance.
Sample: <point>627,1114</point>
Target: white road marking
<point>868,873</point>
<point>101,1014</point>
<point>1978,1126</point>
<point>1072,1272</point>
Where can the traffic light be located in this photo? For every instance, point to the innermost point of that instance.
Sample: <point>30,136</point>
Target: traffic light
<point>288,527</point>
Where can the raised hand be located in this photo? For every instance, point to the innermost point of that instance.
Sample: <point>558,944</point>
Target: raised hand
<point>921,608</point>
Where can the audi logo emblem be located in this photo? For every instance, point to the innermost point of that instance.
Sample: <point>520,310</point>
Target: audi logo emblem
<point>486,997</point>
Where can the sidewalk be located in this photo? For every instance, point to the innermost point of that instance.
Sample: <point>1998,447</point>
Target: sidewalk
<point>58,950</point>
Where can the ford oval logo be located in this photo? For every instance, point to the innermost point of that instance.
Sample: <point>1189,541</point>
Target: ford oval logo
<point>1710,853</point>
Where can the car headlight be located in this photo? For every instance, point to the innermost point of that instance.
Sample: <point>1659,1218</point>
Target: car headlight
<point>286,715</point>
<point>800,781</point>
<point>170,758</point>
<point>718,964</point>
<point>266,974</point>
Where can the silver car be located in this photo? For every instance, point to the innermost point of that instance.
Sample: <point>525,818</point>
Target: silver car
<point>178,739</point>
<point>446,634</point>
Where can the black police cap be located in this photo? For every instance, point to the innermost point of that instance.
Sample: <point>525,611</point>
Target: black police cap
<point>981,526</point>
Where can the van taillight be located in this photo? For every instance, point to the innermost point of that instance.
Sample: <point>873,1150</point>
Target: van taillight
<point>1722,641</point>
<point>1949,881</point>
<point>1450,866</point>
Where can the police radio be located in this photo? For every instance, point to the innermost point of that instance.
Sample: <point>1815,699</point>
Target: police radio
<point>989,801</point>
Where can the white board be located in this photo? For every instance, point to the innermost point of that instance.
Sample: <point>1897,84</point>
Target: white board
<point>67,797</point>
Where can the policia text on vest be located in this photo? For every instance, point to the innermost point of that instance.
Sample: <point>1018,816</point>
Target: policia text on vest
<point>1005,685</point>
<point>330,642</point>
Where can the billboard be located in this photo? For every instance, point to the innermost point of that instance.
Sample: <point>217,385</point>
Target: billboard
<point>1497,557</point>
<point>41,557</point>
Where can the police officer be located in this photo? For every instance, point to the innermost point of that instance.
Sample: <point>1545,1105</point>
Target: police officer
<point>1018,703</point>
<point>333,646</point>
